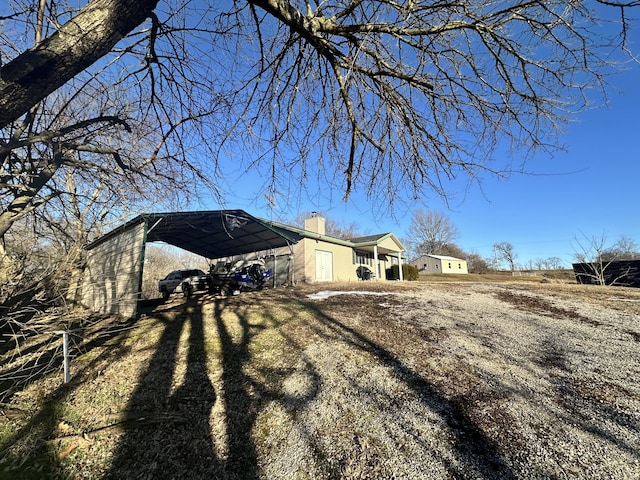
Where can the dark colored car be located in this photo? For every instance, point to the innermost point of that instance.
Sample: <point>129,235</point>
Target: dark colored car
<point>185,281</point>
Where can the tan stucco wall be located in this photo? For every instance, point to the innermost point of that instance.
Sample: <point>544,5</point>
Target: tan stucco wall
<point>343,268</point>
<point>389,244</point>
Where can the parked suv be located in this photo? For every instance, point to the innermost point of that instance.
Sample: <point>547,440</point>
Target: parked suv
<point>185,281</point>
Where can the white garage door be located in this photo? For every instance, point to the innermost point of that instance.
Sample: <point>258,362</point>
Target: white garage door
<point>324,266</point>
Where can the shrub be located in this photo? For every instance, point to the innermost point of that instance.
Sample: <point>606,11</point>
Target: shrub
<point>409,272</point>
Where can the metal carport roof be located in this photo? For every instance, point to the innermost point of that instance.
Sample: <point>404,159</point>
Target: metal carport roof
<point>212,234</point>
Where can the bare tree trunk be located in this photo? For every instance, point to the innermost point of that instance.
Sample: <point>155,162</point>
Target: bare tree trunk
<point>91,34</point>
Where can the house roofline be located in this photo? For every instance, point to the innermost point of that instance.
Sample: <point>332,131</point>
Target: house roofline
<point>380,237</point>
<point>347,243</point>
<point>307,234</point>
<point>439,257</point>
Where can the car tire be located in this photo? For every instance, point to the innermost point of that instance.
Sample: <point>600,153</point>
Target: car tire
<point>187,290</point>
<point>165,294</point>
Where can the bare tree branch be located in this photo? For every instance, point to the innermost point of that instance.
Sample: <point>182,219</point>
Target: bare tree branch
<point>90,35</point>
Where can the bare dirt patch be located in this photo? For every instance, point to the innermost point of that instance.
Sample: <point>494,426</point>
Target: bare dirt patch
<point>419,381</point>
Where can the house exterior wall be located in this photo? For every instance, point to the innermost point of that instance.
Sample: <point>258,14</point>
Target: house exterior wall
<point>345,257</point>
<point>388,243</point>
<point>453,266</point>
<point>280,266</point>
<point>343,268</point>
<point>427,265</point>
<point>345,261</point>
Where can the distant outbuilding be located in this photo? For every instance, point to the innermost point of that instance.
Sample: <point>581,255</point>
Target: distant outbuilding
<point>427,264</point>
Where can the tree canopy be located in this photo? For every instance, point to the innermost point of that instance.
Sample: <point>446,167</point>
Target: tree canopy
<point>390,98</point>
<point>432,232</point>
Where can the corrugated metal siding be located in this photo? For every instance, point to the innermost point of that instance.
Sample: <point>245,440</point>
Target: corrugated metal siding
<point>111,281</point>
<point>281,267</point>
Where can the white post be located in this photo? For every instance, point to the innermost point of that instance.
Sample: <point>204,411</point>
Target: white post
<point>65,354</point>
<point>275,269</point>
<point>376,265</point>
<point>400,266</point>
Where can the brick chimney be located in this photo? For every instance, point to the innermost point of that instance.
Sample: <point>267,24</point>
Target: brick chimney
<point>314,224</point>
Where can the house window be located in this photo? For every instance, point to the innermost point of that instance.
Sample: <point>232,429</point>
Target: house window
<point>363,258</point>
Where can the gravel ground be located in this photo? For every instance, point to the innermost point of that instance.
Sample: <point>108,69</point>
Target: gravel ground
<point>466,381</point>
<point>381,380</point>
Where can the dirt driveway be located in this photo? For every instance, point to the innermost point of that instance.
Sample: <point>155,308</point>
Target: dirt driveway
<point>370,380</point>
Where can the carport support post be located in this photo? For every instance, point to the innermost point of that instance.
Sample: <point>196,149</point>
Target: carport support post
<point>291,265</point>
<point>400,265</point>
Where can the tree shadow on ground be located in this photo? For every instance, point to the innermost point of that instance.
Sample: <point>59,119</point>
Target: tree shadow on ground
<point>169,429</point>
<point>168,425</point>
<point>174,432</point>
<point>476,454</point>
<point>190,449</point>
<point>38,359</point>
<point>240,410</point>
<point>41,460</point>
<point>167,433</point>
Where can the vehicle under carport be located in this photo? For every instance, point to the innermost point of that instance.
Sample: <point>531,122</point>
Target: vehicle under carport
<point>112,278</point>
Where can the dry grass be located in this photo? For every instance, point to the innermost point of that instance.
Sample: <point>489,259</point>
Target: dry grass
<point>421,380</point>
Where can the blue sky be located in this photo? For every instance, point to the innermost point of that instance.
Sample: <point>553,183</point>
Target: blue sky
<point>590,189</point>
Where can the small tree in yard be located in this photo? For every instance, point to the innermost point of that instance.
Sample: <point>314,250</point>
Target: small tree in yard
<point>505,253</point>
<point>430,232</point>
<point>409,272</point>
